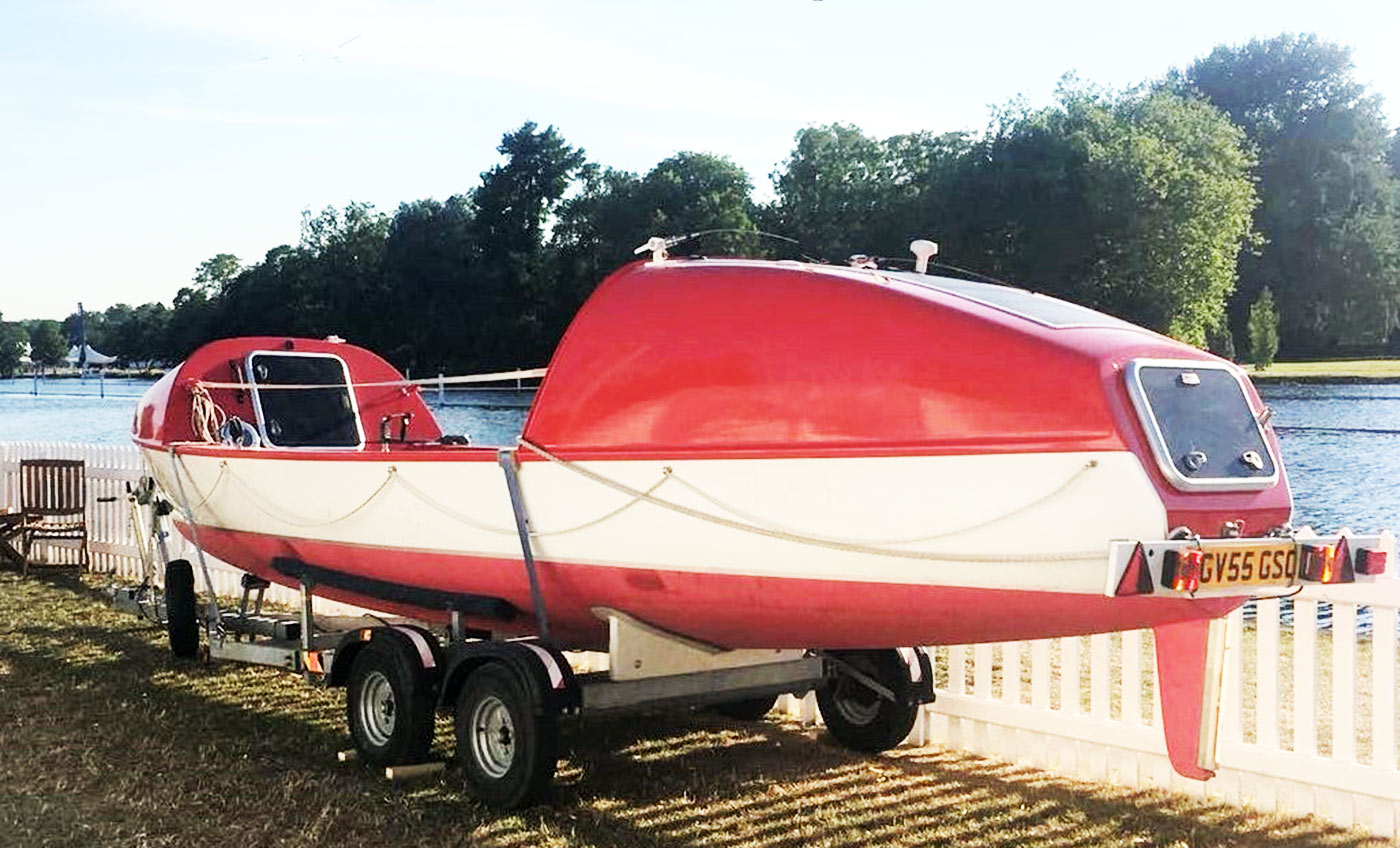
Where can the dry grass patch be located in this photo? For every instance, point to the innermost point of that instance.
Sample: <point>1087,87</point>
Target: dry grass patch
<point>104,740</point>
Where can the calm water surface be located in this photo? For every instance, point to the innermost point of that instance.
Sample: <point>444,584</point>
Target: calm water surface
<point>1341,449</point>
<point>69,410</point>
<point>1341,443</point>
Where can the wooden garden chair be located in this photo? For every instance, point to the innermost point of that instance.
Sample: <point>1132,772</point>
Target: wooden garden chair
<point>53,501</point>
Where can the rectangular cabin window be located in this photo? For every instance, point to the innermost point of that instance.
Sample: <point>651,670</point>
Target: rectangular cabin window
<point>316,409</point>
<point>1203,431</point>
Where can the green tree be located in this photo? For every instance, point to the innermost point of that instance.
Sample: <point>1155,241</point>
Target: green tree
<point>1330,206</point>
<point>1136,204</point>
<point>12,342</point>
<point>1263,330</point>
<point>216,272</point>
<point>614,212</point>
<point>46,343</point>
<point>194,320</point>
<point>841,192</point>
<point>144,337</point>
<point>514,288</point>
<point>430,254</point>
<point>694,192</point>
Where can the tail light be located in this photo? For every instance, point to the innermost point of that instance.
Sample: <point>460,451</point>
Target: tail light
<point>1327,563</point>
<point>1370,562</point>
<point>1181,570</point>
<point>1137,577</point>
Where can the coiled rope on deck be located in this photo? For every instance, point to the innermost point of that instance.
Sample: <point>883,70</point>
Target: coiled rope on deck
<point>206,416</point>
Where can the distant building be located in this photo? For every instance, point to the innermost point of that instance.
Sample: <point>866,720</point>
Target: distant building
<point>94,359</point>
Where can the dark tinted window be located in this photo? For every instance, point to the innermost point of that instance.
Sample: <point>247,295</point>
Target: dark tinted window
<point>304,417</point>
<point>1207,426</point>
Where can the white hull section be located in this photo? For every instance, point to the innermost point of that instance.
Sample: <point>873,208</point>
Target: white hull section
<point>1038,521</point>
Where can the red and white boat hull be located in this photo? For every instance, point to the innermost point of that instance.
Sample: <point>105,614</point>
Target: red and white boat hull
<point>912,561</point>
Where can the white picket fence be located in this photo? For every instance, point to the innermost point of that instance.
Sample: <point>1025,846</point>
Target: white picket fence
<point>1308,719</point>
<point>112,537</point>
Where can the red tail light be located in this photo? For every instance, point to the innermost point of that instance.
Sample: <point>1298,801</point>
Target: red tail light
<point>1327,563</point>
<point>1315,563</point>
<point>1181,570</point>
<point>1371,563</point>
<point>1137,577</point>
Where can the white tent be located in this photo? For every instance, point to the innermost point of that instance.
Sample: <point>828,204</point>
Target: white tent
<point>93,357</point>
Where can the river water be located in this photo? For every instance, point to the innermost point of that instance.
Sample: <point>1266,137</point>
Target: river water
<point>1341,442</point>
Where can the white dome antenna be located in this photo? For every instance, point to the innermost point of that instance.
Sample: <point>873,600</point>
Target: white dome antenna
<point>923,250</point>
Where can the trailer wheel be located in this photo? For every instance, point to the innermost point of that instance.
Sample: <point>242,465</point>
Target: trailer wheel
<point>747,709</point>
<point>180,619</point>
<point>860,718</point>
<point>507,747</point>
<point>388,707</point>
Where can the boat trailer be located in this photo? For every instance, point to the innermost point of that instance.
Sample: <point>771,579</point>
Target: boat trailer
<point>507,695</point>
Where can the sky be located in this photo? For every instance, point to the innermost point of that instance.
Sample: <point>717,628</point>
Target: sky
<point>141,137</point>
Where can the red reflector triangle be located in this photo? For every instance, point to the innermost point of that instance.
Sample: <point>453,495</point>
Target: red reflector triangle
<point>1345,573</point>
<point>1137,578</point>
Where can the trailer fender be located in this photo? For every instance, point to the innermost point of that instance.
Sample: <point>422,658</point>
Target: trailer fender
<point>920,674</point>
<point>414,644</point>
<point>543,668</point>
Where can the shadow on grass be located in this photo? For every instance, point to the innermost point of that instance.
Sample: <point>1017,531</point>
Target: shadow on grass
<point>107,741</point>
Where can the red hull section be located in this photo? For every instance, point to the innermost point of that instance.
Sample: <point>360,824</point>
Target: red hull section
<point>731,611</point>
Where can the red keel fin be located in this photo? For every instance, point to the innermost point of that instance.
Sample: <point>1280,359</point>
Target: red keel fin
<point>1190,665</point>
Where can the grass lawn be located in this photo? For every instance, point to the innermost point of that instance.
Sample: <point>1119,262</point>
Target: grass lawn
<point>1353,369</point>
<point>104,740</point>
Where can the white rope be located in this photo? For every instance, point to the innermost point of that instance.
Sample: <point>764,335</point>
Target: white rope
<point>223,470</point>
<point>177,463</point>
<point>802,538</point>
<point>496,377</point>
<point>453,513</point>
<point>277,513</point>
<point>665,475</point>
<point>755,520</point>
<point>511,531</point>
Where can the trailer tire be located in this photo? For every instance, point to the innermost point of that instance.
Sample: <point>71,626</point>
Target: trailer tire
<point>180,609</point>
<point>860,718</point>
<point>389,706</point>
<point>747,709</point>
<point>506,743</point>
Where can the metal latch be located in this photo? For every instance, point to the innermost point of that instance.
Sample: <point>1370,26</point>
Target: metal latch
<point>1195,460</point>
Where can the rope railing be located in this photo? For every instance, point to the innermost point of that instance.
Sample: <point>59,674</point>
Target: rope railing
<point>816,540</point>
<point>464,379</point>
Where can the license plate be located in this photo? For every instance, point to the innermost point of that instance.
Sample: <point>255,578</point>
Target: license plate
<point>1272,564</point>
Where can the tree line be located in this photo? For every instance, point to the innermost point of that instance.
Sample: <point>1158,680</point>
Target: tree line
<point>1249,201</point>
